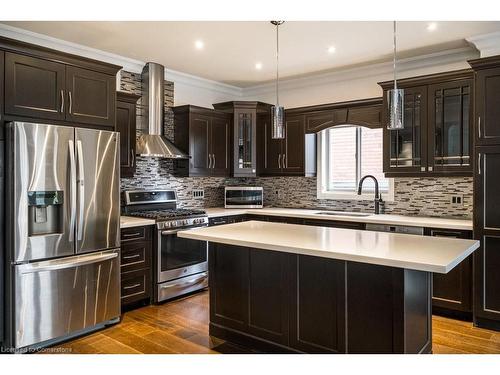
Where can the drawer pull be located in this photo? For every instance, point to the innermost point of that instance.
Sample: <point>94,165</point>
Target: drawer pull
<point>131,286</point>
<point>131,256</point>
<point>131,234</point>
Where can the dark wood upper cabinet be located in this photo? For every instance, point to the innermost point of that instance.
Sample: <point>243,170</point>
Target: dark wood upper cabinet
<point>487,110</point>
<point>207,135</point>
<point>293,159</point>
<point>91,96</point>
<point>436,139</point>
<point>34,87</point>
<point>50,86</point>
<point>245,124</point>
<point>126,126</point>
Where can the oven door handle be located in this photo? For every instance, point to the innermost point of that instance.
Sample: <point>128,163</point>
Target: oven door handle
<point>174,231</point>
<point>185,283</point>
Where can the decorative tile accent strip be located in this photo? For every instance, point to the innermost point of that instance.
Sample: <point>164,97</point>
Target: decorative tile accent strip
<point>413,196</point>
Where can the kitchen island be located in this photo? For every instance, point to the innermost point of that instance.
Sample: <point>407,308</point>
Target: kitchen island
<point>296,288</point>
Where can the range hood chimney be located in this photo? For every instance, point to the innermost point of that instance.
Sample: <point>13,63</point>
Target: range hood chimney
<point>154,143</point>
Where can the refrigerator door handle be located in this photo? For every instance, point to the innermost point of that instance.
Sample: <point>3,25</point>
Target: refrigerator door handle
<point>72,167</point>
<point>81,189</point>
<point>65,263</point>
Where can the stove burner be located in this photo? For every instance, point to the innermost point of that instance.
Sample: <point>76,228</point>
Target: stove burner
<point>167,214</point>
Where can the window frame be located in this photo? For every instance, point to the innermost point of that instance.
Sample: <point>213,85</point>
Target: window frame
<point>323,191</point>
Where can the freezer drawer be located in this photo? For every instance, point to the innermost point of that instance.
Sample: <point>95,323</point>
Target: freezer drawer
<point>58,297</point>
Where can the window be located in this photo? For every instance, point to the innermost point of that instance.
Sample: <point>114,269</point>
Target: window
<point>347,153</point>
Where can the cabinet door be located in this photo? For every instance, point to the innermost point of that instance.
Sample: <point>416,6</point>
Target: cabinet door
<point>487,97</point>
<point>245,136</point>
<point>34,87</point>
<point>317,312</point>
<point>268,295</point>
<point>91,97</point>
<point>487,230</point>
<point>453,291</point>
<point>199,148</point>
<point>450,118</point>
<point>272,149</point>
<point>219,146</point>
<point>405,150</point>
<point>228,268</point>
<point>126,126</point>
<point>293,146</point>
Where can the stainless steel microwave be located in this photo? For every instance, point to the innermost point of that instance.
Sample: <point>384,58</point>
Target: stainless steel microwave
<point>243,197</point>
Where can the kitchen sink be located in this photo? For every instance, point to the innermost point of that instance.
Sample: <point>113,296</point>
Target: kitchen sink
<point>343,213</point>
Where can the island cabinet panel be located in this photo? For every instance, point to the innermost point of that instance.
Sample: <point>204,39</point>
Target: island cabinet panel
<point>317,307</point>
<point>34,87</point>
<point>268,295</point>
<point>228,267</point>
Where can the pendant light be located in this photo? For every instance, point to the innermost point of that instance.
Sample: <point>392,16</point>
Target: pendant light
<point>395,97</point>
<point>277,112</point>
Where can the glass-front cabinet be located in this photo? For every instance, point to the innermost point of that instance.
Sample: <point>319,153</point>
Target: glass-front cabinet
<point>246,119</point>
<point>449,126</point>
<point>436,139</point>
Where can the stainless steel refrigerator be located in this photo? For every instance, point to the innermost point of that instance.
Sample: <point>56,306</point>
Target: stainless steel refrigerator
<point>63,226</point>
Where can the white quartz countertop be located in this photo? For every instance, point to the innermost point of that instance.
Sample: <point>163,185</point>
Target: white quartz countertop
<point>423,253</point>
<point>130,221</point>
<point>416,221</point>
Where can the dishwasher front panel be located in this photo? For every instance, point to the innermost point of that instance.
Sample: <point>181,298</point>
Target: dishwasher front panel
<point>58,297</point>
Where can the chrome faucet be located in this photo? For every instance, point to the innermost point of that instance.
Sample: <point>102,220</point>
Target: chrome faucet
<point>378,197</point>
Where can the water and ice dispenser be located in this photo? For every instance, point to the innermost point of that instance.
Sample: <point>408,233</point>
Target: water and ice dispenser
<point>45,212</point>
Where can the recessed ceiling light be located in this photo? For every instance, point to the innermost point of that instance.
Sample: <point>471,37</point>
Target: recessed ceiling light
<point>432,26</point>
<point>199,44</point>
<point>331,49</point>
<point>258,66</point>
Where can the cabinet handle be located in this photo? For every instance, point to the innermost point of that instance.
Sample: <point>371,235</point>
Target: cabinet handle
<point>429,169</point>
<point>70,102</point>
<point>479,126</point>
<point>283,161</point>
<point>279,161</point>
<point>132,154</point>
<point>213,157</point>
<point>479,164</point>
<point>209,161</point>
<point>132,256</point>
<point>62,101</point>
<point>132,234</point>
<point>131,286</point>
<point>422,169</point>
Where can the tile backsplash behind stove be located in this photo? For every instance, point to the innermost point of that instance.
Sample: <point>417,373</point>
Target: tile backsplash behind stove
<point>413,196</point>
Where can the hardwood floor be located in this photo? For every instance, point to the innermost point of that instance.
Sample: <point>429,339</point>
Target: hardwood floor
<point>181,326</point>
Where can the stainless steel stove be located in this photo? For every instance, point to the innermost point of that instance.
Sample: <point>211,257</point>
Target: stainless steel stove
<point>181,264</point>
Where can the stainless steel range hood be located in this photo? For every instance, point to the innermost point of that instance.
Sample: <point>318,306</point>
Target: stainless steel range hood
<point>154,143</point>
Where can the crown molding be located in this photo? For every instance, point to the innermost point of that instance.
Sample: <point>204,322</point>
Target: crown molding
<point>202,83</point>
<point>487,44</point>
<point>406,65</point>
<point>128,64</point>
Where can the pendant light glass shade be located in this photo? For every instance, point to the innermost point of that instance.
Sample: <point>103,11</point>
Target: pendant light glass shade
<point>395,97</point>
<point>277,111</point>
<point>277,117</point>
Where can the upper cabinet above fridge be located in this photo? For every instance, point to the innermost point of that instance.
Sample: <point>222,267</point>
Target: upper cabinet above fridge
<point>437,135</point>
<point>41,84</point>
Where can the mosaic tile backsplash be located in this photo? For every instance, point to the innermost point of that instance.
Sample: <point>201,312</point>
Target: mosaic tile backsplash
<point>413,196</point>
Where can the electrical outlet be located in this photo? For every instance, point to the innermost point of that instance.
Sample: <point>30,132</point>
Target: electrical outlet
<point>198,194</point>
<point>278,194</point>
<point>457,200</point>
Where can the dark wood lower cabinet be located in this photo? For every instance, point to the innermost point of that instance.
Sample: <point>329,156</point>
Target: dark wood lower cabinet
<point>275,301</point>
<point>317,295</point>
<point>135,266</point>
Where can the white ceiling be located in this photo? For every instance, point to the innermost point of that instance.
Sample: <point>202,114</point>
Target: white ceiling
<point>231,49</point>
